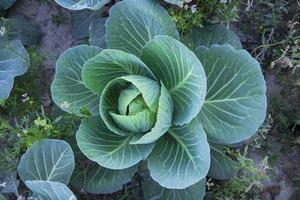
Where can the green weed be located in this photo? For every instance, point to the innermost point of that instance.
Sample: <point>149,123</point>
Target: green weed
<point>199,12</point>
<point>25,96</point>
<point>17,138</point>
<point>246,183</point>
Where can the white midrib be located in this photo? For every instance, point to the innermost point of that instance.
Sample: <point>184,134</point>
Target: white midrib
<point>184,147</point>
<point>119,147</point>
<point>54,167</point>
<point>183,81</point>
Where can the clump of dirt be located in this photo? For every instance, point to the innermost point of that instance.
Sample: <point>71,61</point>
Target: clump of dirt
<point>56,38</point>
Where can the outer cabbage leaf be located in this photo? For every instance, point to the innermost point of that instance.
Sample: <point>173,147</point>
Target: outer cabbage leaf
<point>235,104</point>
<point>11,182</point>
<point>2,12</point>
<point>132,23</point>
<point>97,32</point>
<point>48,160</point>
<point>2,197</point>
<point>5,4</point>
<point>181,157</point>
<point>14,61</point>
<point>99,180</point>
<point>82,4</point>
<point>93,178</point>
<point>109,150</point>
<point>177,2</point>
<point>222,167</point>
<point>182,74</point>
<point>68,89</point>
<point>210,35</point>
<point>81,21</point>
<point>153,190</point>
<point>110,64</point>
<point>49,190</point>
<point>19,26</point>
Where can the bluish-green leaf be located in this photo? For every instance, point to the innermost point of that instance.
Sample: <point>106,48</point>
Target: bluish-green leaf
<point>2,197</point>
<point>82,4</point>
<point>110,64</point>
<point>68,90</point>
<point>11,182</point>
<point>222,167</point>
<point>5,4</point>
<point>182,74</point>
<point>14,61</point>
<point>97,33</point>
<point>177,2</point>
<point>2,12</point>
<point>235,104</point>
<point>163,119</point>
<point>153,191</point>
<point>80,23</point>
<point>19,26</point>
<point>49,190</point>
<point>48,160</point>
<point>132,23</point>
<point>210,35</point>
<point>90,177</point>
<point>109,150</point>
<point>99,180</point>
<point>181,158</point>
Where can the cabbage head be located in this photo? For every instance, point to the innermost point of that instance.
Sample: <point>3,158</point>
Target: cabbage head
<point>154,97</point>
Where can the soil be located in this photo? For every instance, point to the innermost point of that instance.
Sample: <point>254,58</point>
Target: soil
<point>56,38</point>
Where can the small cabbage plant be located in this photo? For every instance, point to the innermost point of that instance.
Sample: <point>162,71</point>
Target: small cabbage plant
<point>155,98</point>
<point>46,168</point>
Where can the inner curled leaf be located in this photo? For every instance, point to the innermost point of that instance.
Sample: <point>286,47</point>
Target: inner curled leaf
<point>129,104</point>
<point>126,97</point>
<point>134,114</point>
<point>137,105</point>
<point>138,123</point>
